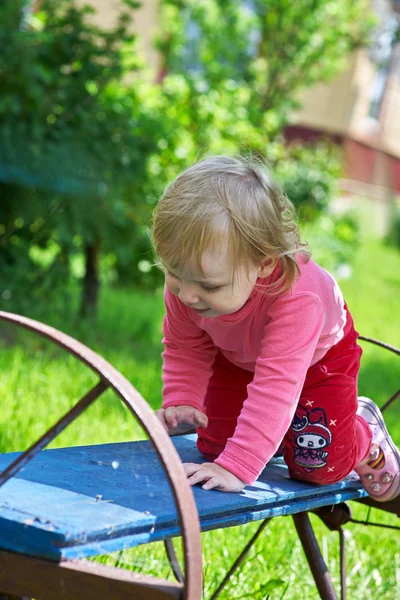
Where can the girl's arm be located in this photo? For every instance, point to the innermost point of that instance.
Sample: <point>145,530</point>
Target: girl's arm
<point>188,357</point>
<point>288,346</point>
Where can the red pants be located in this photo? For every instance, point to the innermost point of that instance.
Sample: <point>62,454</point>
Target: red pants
<point>326,439</point>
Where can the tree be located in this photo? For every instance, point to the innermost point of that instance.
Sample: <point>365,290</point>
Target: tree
<point>75,140</point>
<point>240,65</point>
<point>86,150</point>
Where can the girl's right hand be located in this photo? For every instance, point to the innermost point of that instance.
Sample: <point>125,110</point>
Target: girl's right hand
<point>178,419</point>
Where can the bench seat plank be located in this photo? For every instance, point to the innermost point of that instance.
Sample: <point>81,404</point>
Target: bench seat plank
<point>82,501</point>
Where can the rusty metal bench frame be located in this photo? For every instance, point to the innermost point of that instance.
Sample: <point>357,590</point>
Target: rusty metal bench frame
<point>85,580</point>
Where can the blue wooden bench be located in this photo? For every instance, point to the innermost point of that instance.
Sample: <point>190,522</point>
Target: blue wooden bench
<point>58,507</point>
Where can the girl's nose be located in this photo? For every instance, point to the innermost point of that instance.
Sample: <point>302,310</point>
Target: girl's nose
<point>187,294</point>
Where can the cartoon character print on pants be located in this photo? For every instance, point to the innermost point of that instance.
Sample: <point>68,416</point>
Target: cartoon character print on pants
<point>310,436</point>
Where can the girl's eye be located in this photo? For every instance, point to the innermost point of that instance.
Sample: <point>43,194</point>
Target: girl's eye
<point>211,289</point>
<point>204,287</point>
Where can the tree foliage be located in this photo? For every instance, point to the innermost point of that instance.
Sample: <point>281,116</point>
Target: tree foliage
<point>88,142</point>
<point>75,138</point>
<point>241,64</point>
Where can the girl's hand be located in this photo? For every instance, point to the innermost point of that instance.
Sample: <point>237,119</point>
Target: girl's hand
<point>178,419</point>
<point>215,477</point>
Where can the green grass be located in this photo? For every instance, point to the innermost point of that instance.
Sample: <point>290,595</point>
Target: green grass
<point>39,383</point>
<point>373,296</point>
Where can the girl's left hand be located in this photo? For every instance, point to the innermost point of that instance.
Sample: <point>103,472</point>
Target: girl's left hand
<point>215,477</point>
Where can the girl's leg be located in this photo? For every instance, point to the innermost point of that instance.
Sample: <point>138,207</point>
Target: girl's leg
<point>327,439</point>
<point>334,432</point>
<point>227,390</point>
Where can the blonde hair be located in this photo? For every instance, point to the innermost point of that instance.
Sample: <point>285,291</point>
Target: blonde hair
<point>234,200</point>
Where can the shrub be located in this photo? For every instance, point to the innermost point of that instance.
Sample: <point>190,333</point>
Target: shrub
<point>309,175</point>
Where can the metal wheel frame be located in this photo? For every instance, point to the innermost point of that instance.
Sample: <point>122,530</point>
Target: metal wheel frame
<point>168,456</point>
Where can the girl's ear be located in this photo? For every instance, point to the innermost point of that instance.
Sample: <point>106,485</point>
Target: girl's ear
<point>266,267</point>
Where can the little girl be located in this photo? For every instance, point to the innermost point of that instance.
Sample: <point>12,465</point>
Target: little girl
<point>260,348</point>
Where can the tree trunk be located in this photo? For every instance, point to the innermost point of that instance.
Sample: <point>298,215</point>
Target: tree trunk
<point>91,282</point>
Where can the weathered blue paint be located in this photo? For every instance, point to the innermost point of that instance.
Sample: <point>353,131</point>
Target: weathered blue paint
<point>82,501</point>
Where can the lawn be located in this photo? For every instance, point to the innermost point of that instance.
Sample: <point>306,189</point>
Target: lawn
<point>39,384</point>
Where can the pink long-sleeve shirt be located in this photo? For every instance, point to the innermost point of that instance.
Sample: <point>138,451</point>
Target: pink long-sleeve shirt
<point>278,337</point>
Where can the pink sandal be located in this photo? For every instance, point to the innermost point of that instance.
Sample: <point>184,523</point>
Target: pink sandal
<point>380,472</point>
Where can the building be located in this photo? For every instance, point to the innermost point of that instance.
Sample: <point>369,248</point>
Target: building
<point>360,110</point>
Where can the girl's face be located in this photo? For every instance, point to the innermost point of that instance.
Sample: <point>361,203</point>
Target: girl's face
<point>214,293</point>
